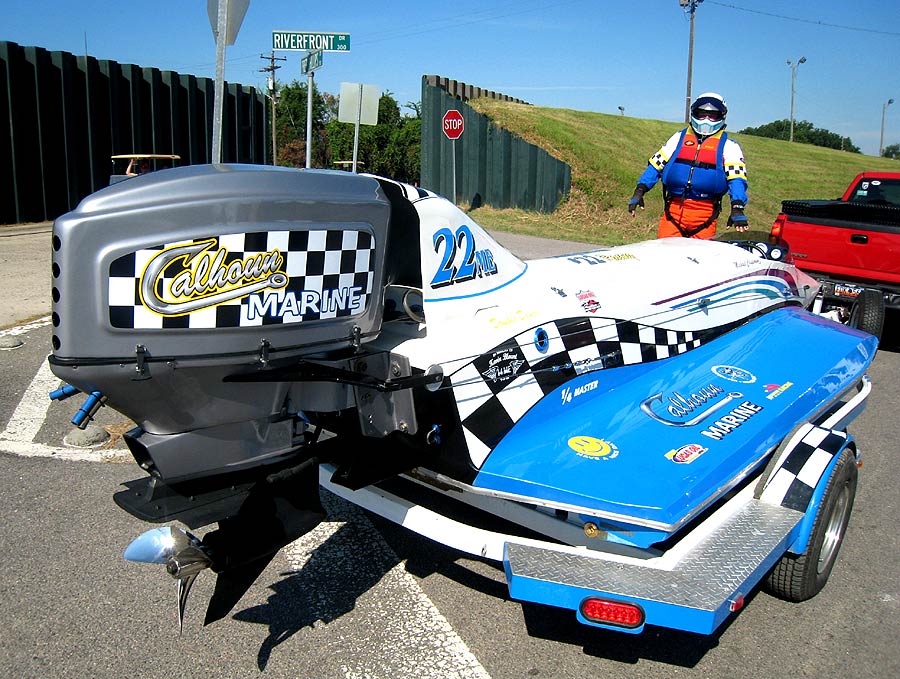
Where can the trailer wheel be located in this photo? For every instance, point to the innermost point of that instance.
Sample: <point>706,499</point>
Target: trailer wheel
<point>867,313</point>
<point>801,577</point>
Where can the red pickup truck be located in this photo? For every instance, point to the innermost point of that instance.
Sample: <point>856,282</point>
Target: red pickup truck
<point>851,245</point>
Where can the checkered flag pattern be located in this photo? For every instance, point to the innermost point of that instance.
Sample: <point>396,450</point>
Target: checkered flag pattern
<point>496,389</point>
<point>735,171</point>
<point>802,466</point>
<point>321,266</point>
<point>658,160</point>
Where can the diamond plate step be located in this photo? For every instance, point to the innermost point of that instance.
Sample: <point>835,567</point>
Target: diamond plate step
<point>731,559</point>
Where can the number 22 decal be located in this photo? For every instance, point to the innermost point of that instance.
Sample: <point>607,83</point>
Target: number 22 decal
<point>474,262</point>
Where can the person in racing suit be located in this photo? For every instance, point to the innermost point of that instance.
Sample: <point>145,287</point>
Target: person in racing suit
<point>697,165</point>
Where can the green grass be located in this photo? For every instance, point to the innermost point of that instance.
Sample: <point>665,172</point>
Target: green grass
<point>607,153</point>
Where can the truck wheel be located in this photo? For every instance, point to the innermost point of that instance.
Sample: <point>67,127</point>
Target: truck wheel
<point>867,313</point>
<point>798,578</point>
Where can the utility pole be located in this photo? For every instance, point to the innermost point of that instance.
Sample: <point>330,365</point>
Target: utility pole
<point>881,139</point>
<point>794,68</point>
<point>273,94</point>
<point>690,6</point>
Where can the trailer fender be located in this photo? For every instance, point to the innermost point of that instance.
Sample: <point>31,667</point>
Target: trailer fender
<point>801,472</point>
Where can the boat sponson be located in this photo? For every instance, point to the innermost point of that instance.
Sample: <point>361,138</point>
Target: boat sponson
<point>655,443</point>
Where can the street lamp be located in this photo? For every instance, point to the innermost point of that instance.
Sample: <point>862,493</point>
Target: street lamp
<point>881,140</point>
<point>794,67</point>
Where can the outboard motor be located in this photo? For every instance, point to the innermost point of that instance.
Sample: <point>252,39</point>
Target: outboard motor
<point>187,299</point>
<point>168,284</point>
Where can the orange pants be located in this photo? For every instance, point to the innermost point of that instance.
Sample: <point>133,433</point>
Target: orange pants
<point>689,214</point>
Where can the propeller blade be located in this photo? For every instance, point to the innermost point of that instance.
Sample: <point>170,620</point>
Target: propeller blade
<point>184,588</point>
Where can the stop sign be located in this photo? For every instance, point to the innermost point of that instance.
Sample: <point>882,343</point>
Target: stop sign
<point>453,124</point>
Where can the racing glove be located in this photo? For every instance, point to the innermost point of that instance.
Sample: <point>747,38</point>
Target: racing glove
<point>637,200</point>
<point>738,219</point>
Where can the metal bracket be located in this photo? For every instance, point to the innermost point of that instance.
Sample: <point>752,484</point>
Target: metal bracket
<point>141,367</point>
<point>263,360</point>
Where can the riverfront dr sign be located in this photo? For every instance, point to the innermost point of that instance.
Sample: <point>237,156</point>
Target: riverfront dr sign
<point>307,41</point>
<point>453,124</point>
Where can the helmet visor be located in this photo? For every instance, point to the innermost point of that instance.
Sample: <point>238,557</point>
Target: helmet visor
<point>708,114</point>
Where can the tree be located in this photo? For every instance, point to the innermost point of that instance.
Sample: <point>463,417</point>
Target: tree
<point>290,122</point>
<point>892,151</point>
<point>390,148</point>
<point>804,133</point>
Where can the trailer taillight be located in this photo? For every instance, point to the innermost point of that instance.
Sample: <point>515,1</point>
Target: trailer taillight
<point>607,612</point>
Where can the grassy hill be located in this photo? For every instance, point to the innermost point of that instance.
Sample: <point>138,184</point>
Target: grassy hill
<point>607,153</point>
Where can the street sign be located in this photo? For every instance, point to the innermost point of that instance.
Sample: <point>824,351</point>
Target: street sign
<point>311,62</point>
<point>453,124</point>
<point>235,9</point>
<point>308,41</point>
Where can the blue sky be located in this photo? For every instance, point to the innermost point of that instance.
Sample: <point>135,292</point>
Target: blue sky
<point>592,55</point>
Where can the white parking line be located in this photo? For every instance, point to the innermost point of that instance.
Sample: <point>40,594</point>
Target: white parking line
<point>28,417</point>
<point>407,634</point>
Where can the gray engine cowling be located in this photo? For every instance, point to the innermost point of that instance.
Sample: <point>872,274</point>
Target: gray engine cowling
<point>168,283</point>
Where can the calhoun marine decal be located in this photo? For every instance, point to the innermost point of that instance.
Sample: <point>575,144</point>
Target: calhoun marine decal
<point>734,419</point>
<point>243,279</point>
<point>676,410</point>
<point>207,280</point>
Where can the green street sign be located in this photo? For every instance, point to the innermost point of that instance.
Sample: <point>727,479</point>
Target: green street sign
<point>306,41</point>
<point>311,62</point>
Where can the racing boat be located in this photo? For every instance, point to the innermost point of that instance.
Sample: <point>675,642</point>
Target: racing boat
<point>640,434</point>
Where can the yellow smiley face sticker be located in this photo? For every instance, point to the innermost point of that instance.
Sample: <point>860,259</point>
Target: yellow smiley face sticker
<point>593,448</point>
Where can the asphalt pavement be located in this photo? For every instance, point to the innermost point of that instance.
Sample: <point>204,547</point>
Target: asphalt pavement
<point>358,597</point>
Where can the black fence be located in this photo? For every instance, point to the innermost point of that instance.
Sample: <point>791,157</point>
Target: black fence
<point>68,114</point>
<point>492,165</point>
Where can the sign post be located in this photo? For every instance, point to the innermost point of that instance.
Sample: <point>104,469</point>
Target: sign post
<point>308,65</point>
<point>453,125</point>
<point>358,105</point>
<point>225,18</point>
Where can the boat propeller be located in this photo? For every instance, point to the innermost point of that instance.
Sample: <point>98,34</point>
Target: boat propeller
<point>182,553</point>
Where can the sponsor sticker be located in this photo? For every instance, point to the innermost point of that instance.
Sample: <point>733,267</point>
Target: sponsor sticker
<point>776,390</point>
<point>569,393</point>
<point>592,448</point>
<point>597,259</point>
<point>588,301</point>
<point>686,454</point>
<point>733,374</point>
<point>503,365</point>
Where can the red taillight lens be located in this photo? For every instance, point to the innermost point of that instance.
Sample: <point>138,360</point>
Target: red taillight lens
<point>618,613</point>
<point>778,227</point>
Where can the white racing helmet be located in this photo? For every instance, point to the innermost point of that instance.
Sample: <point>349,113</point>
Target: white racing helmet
<point>708,113</point>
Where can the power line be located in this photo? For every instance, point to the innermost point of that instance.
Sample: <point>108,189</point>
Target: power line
<point>802,20</point>
<point>465,20</point>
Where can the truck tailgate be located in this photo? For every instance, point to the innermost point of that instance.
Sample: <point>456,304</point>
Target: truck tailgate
<point>845,249</point>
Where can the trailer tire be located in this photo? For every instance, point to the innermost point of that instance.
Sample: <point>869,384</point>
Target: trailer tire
<point>801,577</point>
<point>867,312</point>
